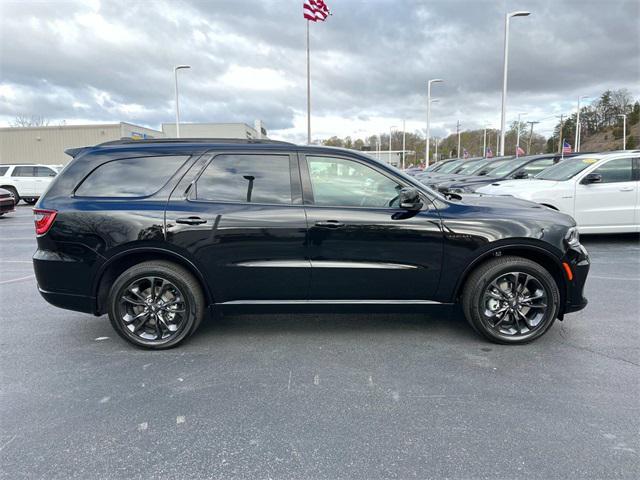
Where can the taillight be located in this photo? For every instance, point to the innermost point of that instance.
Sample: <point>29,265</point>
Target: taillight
<point>44,219</point>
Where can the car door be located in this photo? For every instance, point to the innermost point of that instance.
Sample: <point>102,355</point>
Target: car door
<point>610,203</point>
<point>24,180</point>
<point>362,246</point>
<point>42,177</point>
<point>239,215</point>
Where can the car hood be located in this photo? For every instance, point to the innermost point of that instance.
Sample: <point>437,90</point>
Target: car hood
<point>500,201</point>
<point>511,187</point>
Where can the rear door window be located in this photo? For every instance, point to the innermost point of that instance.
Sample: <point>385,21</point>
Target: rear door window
<point>23,172</point>
<point>246,178</point>
<point>130,177</point>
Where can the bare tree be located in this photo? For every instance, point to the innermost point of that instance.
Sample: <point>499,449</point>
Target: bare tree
<point>32,121</point>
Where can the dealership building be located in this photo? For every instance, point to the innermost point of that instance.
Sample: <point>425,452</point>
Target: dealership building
<point>46,145</point>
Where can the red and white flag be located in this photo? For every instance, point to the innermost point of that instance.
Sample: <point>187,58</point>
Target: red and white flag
<point>315,10</point>
<point>519,151</point>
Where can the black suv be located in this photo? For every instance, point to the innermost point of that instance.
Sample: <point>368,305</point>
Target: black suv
<point>160,233</point>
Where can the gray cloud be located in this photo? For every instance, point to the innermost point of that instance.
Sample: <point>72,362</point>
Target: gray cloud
<point>112,61</point>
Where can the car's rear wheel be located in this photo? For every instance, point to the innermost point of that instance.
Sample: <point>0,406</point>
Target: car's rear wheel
<point>156,304</point>
<point>14,193</point>
<point>511,300</point>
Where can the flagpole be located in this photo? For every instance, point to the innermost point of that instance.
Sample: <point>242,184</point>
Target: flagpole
<point>308,90</point>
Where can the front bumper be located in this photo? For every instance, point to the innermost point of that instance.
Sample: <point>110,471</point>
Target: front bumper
<point>579,263</point>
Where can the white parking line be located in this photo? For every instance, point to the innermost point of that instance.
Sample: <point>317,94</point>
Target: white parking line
<point>18,238</point>
<point>13,280</point>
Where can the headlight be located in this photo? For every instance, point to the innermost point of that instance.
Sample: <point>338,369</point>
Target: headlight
<point>572,237</point>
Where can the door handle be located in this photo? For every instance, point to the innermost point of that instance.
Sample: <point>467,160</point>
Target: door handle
<point>627,189</point>
<point>330,224</point>
<point>191,220</point>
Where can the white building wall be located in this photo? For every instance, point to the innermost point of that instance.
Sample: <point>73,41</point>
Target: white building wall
<point>210,130</point>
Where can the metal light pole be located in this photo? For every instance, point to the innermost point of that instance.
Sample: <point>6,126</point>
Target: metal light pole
<point>504,73</point>
<point>458,132</point>
<point>404,142</point>
<point>518,134</point>
<point>530,137</point>
<point>390,133</point>
<point>624,130</point>
<point>436,139</point>
<point>577,137</point>
<point>484,143</point>
<point>175,73</point>
<point>429,83</point>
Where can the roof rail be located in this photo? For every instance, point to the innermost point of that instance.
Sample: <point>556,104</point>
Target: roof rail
<point>130,141</point>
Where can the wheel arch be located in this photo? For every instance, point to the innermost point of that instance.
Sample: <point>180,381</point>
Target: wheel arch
<point>531,252</point>
<point>117,264</point>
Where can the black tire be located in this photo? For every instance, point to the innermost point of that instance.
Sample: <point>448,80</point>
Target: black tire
<point>185,288</point>
<point>13,192</point>
<point>479,300</point>
<point>30,201</point>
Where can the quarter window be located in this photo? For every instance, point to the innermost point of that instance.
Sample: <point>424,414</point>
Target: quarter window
<point>619,170</point>
<point>242,178</point>
<point>44,172</point>
<point>3,170</point>
<point>130,177</point>
<point>337,182</point>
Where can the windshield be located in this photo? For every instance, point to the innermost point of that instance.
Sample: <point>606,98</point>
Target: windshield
<point>467,166</point>
<point>491,167</point>
<point>566,169</point>
<point>506,167</point>
<point>476,167</point>
<point>449,167</point>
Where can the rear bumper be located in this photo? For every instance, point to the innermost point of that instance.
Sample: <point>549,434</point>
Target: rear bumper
<point>7,205</point>
<point>68,301</point>
<point>579,263</point>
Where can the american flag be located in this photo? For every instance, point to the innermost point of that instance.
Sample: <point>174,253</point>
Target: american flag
<point>465,153</point>
<point>315,10</point>
<point>566,147</point>
<point>489,153</point>
<point>519,151</point>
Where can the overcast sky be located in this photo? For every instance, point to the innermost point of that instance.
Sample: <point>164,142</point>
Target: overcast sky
<point>112,60</point>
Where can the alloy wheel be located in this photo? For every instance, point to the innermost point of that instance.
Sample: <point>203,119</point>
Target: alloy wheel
<point>152,309</point>
<point>515,304</point>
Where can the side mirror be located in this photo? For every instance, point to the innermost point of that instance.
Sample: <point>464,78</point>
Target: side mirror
<point>592,178</point>
<point>410,199</point>
<point>520,175</point>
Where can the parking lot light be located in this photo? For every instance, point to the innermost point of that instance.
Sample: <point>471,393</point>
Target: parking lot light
<point>624,130</point>
<point>175,73</point>
<point>429,83</point>
<point>577,136</point>
<point>507,17</point>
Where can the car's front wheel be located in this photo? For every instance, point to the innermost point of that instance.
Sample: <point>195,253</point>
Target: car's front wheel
<point>156,304</point>
<point>511,300</point>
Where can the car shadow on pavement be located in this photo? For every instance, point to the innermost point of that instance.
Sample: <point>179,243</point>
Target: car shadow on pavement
<point>440,321</point>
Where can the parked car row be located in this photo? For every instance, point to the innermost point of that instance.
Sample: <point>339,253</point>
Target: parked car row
<point>601,191</point>
<point>7,201</point>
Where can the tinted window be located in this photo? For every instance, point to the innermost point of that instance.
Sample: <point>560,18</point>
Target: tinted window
<point>535,167</point>
<point>44,172</point>
<point>450,167</point>
<point>246,179</point>
<point>3,170</point>
<point>23,172</point>
<point>337,182</point>
<point>619,170</point>
<point>130,177</point>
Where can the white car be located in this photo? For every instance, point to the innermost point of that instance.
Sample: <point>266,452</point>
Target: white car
<point>26,181</point>
<point>601,191</point>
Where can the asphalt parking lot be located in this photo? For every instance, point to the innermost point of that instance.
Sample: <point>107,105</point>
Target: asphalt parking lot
<point>320,395</point>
